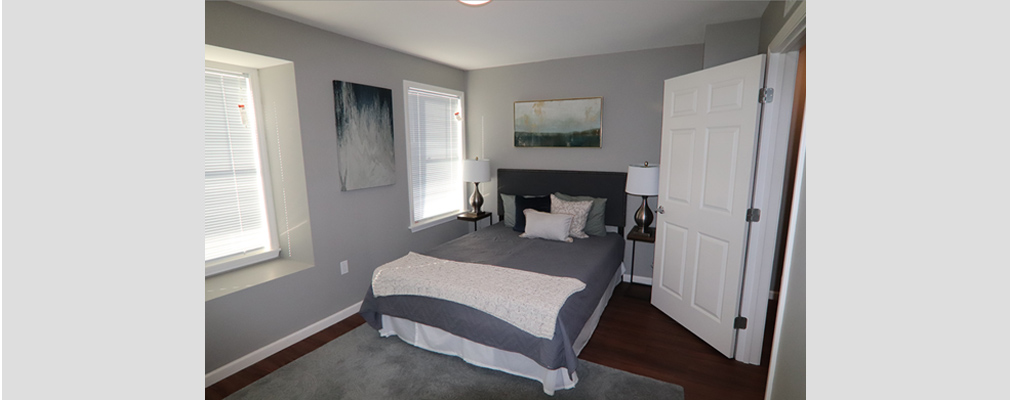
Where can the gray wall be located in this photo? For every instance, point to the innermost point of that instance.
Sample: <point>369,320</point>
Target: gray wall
<point>280,106</point>
<point>367,227</point>
<point>631,85</point>
<point>772,21</point>
<point>731,41</point>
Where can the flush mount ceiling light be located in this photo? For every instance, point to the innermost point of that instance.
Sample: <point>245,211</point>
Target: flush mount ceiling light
<point>475,2</point>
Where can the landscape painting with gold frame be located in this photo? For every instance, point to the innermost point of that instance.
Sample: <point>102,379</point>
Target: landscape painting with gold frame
<point>559,123</point>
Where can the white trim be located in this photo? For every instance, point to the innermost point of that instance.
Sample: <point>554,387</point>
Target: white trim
<point>794,29</point>
<point>645,280</point>
<point>789,6</point>
<point>223,264</point>
<point>236,57</point>
<point>247,360</point>
<point>800,183</point>
<point>780,74</point>
<point>768,185</point>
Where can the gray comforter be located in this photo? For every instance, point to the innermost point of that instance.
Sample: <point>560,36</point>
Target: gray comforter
<point>594,261</point>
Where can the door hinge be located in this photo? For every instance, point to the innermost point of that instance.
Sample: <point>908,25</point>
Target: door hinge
<point>765,95</point>
<point>740,323</point>
<point>753,215</point>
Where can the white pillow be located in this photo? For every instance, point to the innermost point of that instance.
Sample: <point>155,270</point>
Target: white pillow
<point>541,225</point>
<point>578,209</point>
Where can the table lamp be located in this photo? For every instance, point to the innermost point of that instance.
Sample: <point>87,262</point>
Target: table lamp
<point>476,171</point>
<point>643,180</point>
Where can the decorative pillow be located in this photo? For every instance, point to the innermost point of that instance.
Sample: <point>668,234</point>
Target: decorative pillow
<point>595,223</point>
<point>579,210</point>
<point>541,225</point>
<point>508,204</point>
<point>539,203</point>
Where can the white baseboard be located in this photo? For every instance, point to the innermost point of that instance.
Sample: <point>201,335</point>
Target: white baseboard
<point>247,360</point>
<point>645,280</point>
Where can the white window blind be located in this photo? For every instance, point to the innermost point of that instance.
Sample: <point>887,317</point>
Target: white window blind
<point>436,153</point>
<point>235,216</point>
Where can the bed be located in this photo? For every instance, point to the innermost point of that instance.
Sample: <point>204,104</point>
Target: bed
<point>539,346</point>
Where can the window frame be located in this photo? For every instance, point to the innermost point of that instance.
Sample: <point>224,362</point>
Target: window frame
<point>236,261</point>
<point>415,225</point>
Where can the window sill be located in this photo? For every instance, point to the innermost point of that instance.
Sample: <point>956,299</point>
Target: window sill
<point>434,221</point>
<point>239,261</point>
<point>235,280</point>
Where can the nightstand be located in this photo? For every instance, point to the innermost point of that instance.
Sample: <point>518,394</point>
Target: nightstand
<point>469,216</point>
<point>637,235</point>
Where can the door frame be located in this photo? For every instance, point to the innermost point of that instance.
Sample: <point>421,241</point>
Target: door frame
<point>769,182</point>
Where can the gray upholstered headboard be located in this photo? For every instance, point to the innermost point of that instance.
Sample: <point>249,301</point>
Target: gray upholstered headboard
<point>609,185</point>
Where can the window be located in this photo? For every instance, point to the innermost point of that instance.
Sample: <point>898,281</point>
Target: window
<point>275,107</point>
<point>238,228</point>
<point>435,153</point>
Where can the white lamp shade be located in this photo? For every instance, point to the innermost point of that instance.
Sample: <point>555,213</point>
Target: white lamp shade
<point>476,170</point>
<point>643,180</point>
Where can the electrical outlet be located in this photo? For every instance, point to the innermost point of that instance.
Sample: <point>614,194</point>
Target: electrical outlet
<point>343,267</point>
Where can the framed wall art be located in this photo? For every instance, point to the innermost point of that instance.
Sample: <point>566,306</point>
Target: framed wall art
<point>364,135</point>
<point>559,123</point>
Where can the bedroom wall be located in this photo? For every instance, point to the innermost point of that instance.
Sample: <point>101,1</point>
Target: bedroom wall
<point>367,227</point>
<point>731,41</point>
<point>631,85</point>
<point>772,21</point>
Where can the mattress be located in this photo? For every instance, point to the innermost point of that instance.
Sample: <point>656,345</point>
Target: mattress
<point>594,261</point>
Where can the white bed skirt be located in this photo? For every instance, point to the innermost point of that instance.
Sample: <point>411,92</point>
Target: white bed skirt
<point>439,341</point>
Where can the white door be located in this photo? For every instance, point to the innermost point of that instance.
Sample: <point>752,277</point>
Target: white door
<point>710,125</point>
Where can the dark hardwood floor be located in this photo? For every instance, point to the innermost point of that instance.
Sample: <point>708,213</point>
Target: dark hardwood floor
<point>636,337</point>
<point>632,336</point>
<point>256,371</point>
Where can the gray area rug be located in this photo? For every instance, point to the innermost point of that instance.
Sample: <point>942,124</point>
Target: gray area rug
<point>362,365</point>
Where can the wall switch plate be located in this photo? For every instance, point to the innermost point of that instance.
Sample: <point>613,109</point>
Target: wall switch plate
<point>343,267</point>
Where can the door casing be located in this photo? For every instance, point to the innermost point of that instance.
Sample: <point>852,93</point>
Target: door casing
<point>770,180</point>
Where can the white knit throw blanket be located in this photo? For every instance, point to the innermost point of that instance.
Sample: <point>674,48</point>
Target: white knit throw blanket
<point>528,300</point>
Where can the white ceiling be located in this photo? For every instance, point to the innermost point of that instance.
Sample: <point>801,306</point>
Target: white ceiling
<point>507,32</point>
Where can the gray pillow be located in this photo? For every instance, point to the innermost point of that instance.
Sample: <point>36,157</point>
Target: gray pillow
<point>595,225</point>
